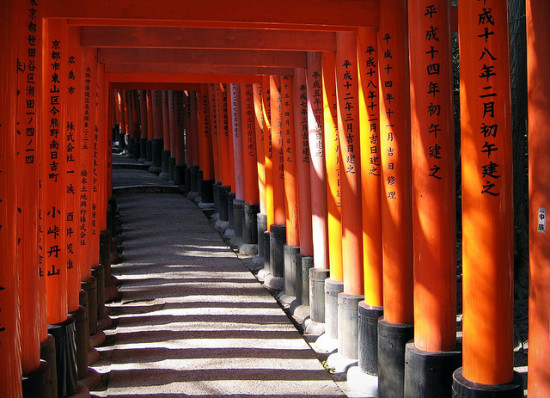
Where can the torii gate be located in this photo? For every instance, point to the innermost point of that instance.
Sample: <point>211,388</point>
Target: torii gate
<point>169,46</point>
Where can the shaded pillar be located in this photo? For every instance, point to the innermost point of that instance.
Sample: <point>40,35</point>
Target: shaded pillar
<point>157,143</point>
<point>257,94</point>
<point>144,124</point>
<point>166,136</point>
<point>238,161</point>
<point>205,141</point>
<point>487,210</point>
<point>150,129</point>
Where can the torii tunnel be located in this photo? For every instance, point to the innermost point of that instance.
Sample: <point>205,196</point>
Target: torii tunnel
<point>325,130</point>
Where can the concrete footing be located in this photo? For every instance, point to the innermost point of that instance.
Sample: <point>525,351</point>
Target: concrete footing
<point>430,374</point>
<point>165,174</point>
<point>368,338</point>
<point>277,239</point>
<point>36,384</point>
<point>230,212</point>
<point>348,325</point>
<point>463,388</point>
<point>65,352</point>
<point>156,148</point>
<point>261,225</point>
<point>142,150</point>
<point>266,248</point>
<point>206,193</point>
<point>81,340</point>
<point>223,192</point>
<point>48,354</point>
<point>250,223</point>
<point>98,272</point>
<point>362,383</point>
<point>148,153</point>
<point>332,289</point>
<point>194,182</point>
<point>90,287</point>
<point>238,221</point>
<point>171,167</point>
<point>181,178</point>
<point>392,339</point>
<point>290,259</point>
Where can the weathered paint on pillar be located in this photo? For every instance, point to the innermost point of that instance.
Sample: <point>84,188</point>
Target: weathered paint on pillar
<point>433,168</point>
<point>53,176</point>
<point>350,151</point>
<point>205,139</point>
<point>317,161</point>
<point>332,161</point>
<point>71,142</point>
<point>257,94</point>
<point>277,151</point>
<point>249,150</point>
<point>301,141</point>
<point>369,125</point>
<point>538,59</point>
<point>214,130</point>
<point>235,106</point>
<point>10,344</point>
<point>289,153</point>
<point>268,154</point>
<point>28,103</point>
<point>395,146</point>
<point>487,210</point>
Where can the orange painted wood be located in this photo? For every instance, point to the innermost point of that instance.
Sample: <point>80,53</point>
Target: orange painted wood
<point>249,149</point>
<point>433,170</point>
<point>150,125</point>
<point>332,161</point>
<point>191,126</point>
<point>395,146</point>
<point>181,100</point>
<point>268,151</point>
<point>319,219</point>
<point>303,165</point>
<point>28,103</point>
<point>125,122</point>
<point>118,107</point>
<point>350,170</point>
<point>53,172</point>
<point>104,150</point>
<point>204,38</point>
<point>321,13</point>
<point>165,120</point>
<point>280,59</point>
<point>224,136</point>
<point>277,149</point>
<point>213,112</point>
<point>205,139</point>
<point>538,56</point>
<point>156,106</point>
<point>237,139</point>
<point>487,211</point>
<point>172,121</point>
<point>289,163</point>
<point>229,117</point>
<point>10,343</point>
<point>171,80</point>
<point>369,125</point>
<point>71,142</point>
<point>257,97</point>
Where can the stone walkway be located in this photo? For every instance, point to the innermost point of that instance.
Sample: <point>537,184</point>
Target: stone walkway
<point>191,320</point>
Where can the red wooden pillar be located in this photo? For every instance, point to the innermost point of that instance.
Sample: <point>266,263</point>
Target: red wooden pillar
<point>277,150</point>
<point>538,57</point>
<point>165,134</point>
<point>150,128</point>
<point>487,210</point>
<point>173,123</point>
<point>183,129</point>
<point>206,142</point>
<point>434,225</point>
<point>237,138</point>
<point>268,151</point>
<point>213,123</point>
<point>301,140</point>
<point>157,143</point>
<point>395,329</point>
<point>332,160</point>
<point>10,344</point>
<point>228,121</point>
<point>257,94</point>
<point>28,103</point>
<point>250,169</point>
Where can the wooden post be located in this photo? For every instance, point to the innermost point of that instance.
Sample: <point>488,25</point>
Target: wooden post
<point>268,155</point>
<point>235,107</point>
<point>277,151</point>
<point>538,57</point>
<point>10,343</point>
<point>249,149</point>
<point>487,210</point>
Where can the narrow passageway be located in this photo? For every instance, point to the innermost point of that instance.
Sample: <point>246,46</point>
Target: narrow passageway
<point>190,319</point>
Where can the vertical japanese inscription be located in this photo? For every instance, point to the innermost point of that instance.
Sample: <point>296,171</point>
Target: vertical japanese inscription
<point>388,95</point>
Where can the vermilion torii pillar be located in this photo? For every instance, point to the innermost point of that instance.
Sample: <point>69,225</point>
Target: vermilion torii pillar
<point>183,127</point>
<point>206,174</point>
<point>157,143</point>
<point>395,328</point>
<point>487,210</point>
<point>237,207</point>
<point>250,170</point>
<point>301,140</point>
<point>10,343</point>
<point>144,126</point>
<point>538,58</point>
<point>333,194</point>
<point>319,272</point>
<point>259,126</point>
<point>174,141</point>
<point>165,175</point>
<point>433,189</point>
<point>150,128</point>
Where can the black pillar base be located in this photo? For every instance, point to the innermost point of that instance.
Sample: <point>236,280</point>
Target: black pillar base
<point>463,388</point>
<point>392,339</point>
<point>368,337</point>
<point>90,287</point>
<point>230,213</point>
<point>137,148</point>
<point>267,252</point>
<point>194,184</point>
<point>430,374</point>
<point>348,328</point>
<point>216,193</point>
<point>105,254</point>
<point>171,167</point>
<point>36,384</point>
<point>261,224</point>
<point>223,192</point>
<point>142,150</point>
<point>81,341</point>
<point>130,146</point>
<point>157,147</point>
<point>98,272</point>
<point>305,263</point>
<point>292,283</point>
<point>181,178</point>
<point>47,353</point>
<point>238,218</point>
<point>250,223</point>
<point>317,278</point>
<point>65,356</point>
<point>332,289</point>
<point>165,174</point>
<point>148,153</point>
<point>206,194</point>
<point>276,254</point>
